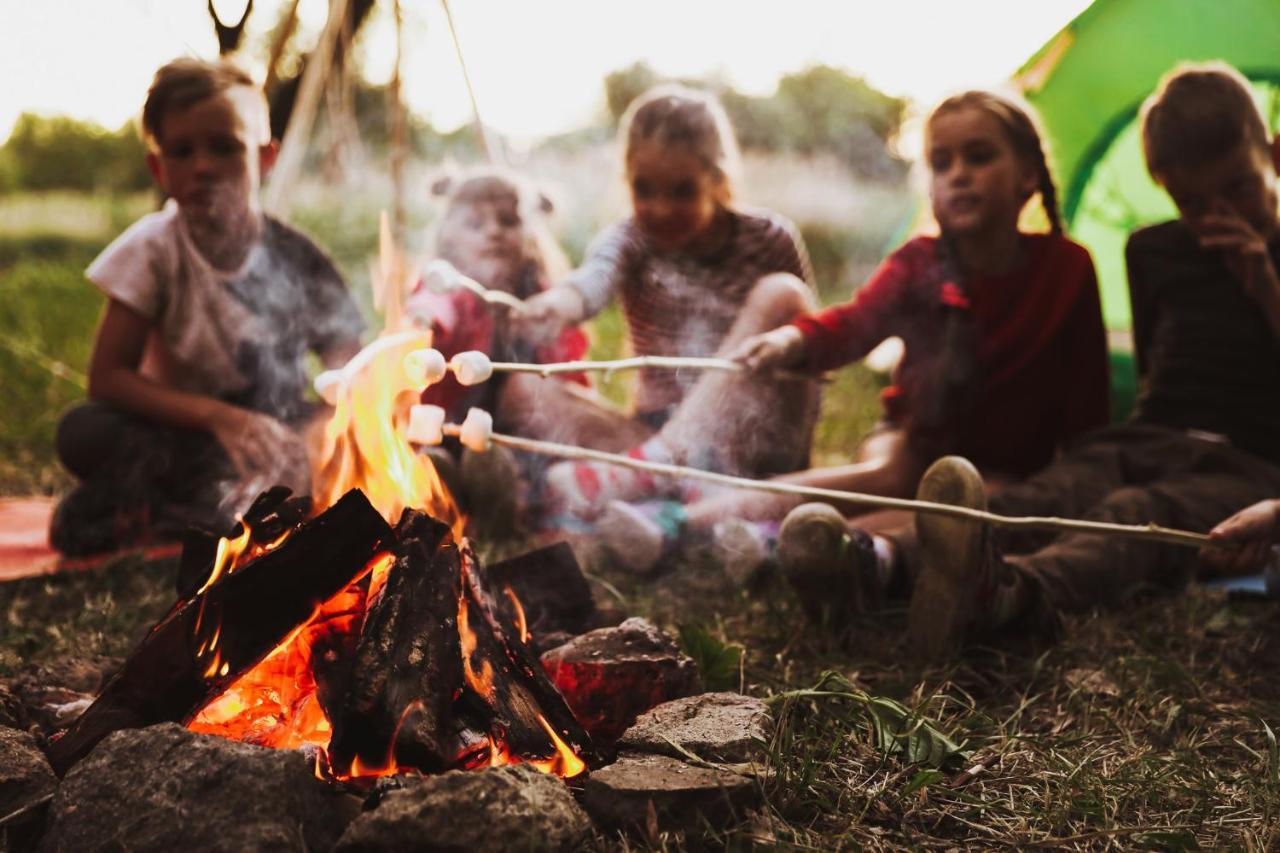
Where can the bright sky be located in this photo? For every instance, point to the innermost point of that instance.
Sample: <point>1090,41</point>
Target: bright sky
<point>537,65</point>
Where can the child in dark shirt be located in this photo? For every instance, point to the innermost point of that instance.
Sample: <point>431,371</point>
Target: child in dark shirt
<point>198,373</point>
<point>1200,444</point>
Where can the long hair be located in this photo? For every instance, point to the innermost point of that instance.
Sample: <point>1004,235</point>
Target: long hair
<point>671,116</point>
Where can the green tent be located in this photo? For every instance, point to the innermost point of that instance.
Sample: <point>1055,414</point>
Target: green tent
<point>1088,83</point>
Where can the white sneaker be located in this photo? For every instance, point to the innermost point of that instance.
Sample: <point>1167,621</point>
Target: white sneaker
<point>632,538</point>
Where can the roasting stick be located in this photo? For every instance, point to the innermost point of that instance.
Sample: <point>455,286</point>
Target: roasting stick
<point>427,426</point>
<point>441,275</point>
<point>474,367</point>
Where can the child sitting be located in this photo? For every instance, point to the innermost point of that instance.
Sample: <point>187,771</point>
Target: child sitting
<point>493,231</point>
<point>696,275</point>
<point>1005,354</point>
<point>1201,443</point>
<point>197,377</point>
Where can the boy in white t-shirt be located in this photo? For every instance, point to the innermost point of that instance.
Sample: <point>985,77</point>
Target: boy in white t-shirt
<point>197,378</point>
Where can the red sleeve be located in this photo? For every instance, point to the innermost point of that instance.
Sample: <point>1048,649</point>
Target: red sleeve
<point>845,333</point>
<point>1086,393</point>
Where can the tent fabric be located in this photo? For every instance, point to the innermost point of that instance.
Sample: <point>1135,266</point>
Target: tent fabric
<point>1088,82</point>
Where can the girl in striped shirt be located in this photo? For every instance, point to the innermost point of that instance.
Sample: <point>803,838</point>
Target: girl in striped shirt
<point>696,275</point>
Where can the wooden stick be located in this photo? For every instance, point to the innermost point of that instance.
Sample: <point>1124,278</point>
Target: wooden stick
<point>493,297</point>
<point>1149,532</point>
<point>667,362</point>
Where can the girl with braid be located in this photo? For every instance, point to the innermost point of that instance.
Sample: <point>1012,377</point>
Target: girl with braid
<point>1005,355</point>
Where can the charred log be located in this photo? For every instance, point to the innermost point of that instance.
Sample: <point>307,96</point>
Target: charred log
<point>270,515</point>
<point>521,690</point>
<point>550,589</point>
<point>183,663</point>
<point>408,662</point>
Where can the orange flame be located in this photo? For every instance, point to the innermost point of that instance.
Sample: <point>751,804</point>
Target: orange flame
<point>521,624</point>
<point>275,703</point>
<point>481,682</point>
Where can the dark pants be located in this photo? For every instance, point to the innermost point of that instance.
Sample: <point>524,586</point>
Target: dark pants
<point>137,480</point>
<point>1132,474</point>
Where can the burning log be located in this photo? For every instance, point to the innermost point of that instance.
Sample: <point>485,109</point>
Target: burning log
<point>408,662</point>
<point>529,714</point>
<point>210,639</point>
<point>271,515</point>
<point>544,593</point>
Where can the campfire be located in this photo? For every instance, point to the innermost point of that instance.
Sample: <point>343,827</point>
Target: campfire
<point>318,625</point>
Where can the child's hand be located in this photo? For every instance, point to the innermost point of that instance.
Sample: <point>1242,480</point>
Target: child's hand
<point>1240,545</point>
<point>781,347</point>
<point>1246,249</point>
<point>255,442</point>
<point>547,313</point>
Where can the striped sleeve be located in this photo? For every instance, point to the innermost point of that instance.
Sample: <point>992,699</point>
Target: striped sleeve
<point>604,267</point>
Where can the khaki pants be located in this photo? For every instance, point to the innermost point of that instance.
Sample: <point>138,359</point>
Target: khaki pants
<point>1132,474</point>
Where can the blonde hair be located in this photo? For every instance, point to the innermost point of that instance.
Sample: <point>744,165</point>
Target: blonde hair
<point>670,116</point>
<point>1198,113</point>
<point>187,81</point>
<point>545,260</point>
<point>1017,122</point>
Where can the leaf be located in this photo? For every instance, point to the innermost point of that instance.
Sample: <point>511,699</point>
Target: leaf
<point>923,779</point>
<point>717,662</point>
<point>1273,755</point>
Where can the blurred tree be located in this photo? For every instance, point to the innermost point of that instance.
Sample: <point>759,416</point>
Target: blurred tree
<point>46,153</point>
<point>818,110</point>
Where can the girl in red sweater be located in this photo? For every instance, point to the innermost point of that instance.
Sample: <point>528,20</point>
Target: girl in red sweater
<point>1005,355</point>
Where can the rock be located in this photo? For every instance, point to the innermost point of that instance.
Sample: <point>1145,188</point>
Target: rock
<point>683,796</point>
<point>165,788</point>
<point>12,714</point>
<point>612,675</point>
<point>25,774</point>
<point>498,809</point>
<point>54,694</point>
<point>725,727</point>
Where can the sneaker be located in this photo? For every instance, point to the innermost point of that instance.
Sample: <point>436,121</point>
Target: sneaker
<point>828,564</point>
<point>955,564</point>
<point>743,548</point>
<point>638,535</point>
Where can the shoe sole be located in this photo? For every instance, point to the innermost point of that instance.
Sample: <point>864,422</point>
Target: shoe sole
<point>950,551</point>
<point>811,553</point>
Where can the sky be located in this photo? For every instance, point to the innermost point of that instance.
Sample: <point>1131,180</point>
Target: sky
<point>536,65</point>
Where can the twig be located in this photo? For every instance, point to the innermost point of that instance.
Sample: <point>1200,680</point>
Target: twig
<point>493,297</point>
<point>52,365</point>
<point>667,362</point>
<point>1149,532</point>
<point>26,810</point>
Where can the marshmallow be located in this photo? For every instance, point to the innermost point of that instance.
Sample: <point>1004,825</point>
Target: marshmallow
<point>439,275</point>
<point>425,366</point>
<point>477,430</point>
<point>472,367</point>
<point>327,384</point>
<point>426,424</point>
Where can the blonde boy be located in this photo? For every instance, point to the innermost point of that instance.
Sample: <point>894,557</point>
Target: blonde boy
<point>197,378</point>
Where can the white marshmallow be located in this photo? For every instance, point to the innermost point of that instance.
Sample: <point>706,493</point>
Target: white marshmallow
<point>425,366</point>
<point>439,275</point>
<point>471,367</point>
<point>477,430</point>
<point>327,384</point>
<point>426,424</point>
